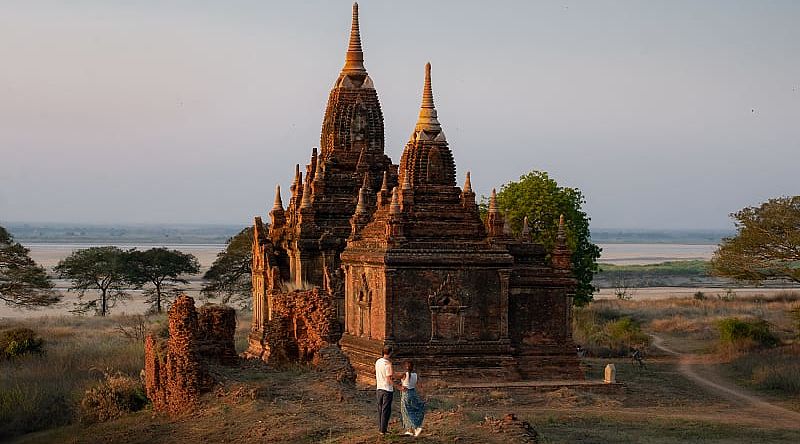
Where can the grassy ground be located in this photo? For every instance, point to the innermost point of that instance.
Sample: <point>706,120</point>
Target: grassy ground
<point>258,404</point>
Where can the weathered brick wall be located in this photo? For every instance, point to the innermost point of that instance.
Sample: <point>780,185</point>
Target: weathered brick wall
<point>305,328</point>
<point>175,369</point>
<point>216,328</point>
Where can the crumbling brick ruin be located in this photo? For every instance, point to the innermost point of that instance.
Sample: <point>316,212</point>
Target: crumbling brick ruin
<point>401,256</point>
<point>176,369</point>
<point>304,328</point>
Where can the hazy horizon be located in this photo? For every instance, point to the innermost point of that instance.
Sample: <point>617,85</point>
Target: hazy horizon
<point>667,115</point>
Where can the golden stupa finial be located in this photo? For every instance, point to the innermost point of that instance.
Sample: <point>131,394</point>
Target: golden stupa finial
<point>428,119</point>
<point>427,90</point>
<point>354,60</point>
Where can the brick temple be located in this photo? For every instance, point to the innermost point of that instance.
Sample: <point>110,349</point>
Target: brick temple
<point>400,256</point>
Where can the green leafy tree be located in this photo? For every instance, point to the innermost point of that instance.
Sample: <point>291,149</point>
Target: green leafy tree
<point>766,245</point>
<point>162,270</point>
<point>23,284</point>
<point>229,276</point>
<point>97,268</point>
<point>542,200</point>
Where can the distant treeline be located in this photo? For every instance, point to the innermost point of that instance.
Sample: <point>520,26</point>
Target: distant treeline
<point>690,237</point>
<point>123,234</point>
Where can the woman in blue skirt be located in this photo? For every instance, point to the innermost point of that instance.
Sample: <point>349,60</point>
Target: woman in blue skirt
<point>411,406</point>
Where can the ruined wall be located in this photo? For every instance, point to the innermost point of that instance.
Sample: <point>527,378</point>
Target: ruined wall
<point>304,328</point>
<point>176,372</point>
<point>216,328</point>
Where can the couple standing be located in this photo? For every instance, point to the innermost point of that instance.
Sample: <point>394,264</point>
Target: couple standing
<point>411,407</point>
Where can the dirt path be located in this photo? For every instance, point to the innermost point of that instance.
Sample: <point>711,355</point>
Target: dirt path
<point>713,381</point>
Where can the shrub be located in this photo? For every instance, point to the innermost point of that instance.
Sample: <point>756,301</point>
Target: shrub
<point>738,332</point>
<point>626,332</point>
<point>115,396</point>
<point>700,296</point>
<point>604,333</point>
<point>19,341</point>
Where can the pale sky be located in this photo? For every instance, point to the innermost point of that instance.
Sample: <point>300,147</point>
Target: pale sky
<point>666,114</point>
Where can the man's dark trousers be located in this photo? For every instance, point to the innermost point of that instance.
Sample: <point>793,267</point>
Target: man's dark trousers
<point>384,409</point>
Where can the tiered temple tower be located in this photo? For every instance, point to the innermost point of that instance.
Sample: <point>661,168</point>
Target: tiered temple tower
<point>307,238</point>
<point>404,255</point>
<point>465,300</point>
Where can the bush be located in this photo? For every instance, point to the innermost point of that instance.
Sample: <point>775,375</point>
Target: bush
<point>627,332</point>
<point>604,333</point>
<point>699,296</point>
<point>19,341</point>
<point>115,396</point>
<point>743,333</point>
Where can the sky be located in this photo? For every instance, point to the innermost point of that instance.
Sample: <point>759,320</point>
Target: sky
<point>665,114</point>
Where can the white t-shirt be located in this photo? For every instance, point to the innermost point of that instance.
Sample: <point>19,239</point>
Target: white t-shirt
<point>409,380</point>
<point>383,370</point>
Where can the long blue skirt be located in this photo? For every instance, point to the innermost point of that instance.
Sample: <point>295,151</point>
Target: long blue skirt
<point>412,409</point>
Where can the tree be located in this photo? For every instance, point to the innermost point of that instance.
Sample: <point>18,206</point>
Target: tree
<point>766,245</point>
<point>229,275</point>
<point>542,200</point>
<point>23,284</point>
<point>96,268</point>
<point>163,269</point>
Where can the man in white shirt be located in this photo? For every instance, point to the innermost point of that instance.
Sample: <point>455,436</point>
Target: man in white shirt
<point>385,388</point>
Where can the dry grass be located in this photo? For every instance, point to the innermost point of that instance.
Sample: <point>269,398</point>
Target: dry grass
<point>43,391</point>
<point>692,317</point>
<point>776,371</point>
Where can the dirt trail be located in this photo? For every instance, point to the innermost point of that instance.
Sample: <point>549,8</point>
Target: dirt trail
<point>687,366</point>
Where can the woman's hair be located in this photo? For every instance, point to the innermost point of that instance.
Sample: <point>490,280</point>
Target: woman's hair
<point>408,365</point>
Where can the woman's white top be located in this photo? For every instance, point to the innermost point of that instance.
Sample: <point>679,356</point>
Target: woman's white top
<point>409,381</point>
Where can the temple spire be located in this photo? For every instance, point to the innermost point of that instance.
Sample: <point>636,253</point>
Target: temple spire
<point>561,235</point>
<point>561,257</point>
<point>526,229</point>
<point>394,208</point>
<point>305,202</point>
<point>361,207</point>
<point>277,214</point>
<point>365,183</point>
<point>297,178</point>
<point>354,60</point>
<point>428,120</point>
<point>278,205</point>
<point>493,202</point>
<point>468,184</point>
<point>385,183</point>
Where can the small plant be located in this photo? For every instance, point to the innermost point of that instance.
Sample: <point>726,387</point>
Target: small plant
<point>133,328</point>
<point>699,296</point>
<point>743,333</point>
<point>16,342</point>
<point>623,288</point>
<point>116,395</point>
<point>729,295</point>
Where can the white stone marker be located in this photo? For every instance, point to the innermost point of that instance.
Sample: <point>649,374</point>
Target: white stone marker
<point>610,374</point>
